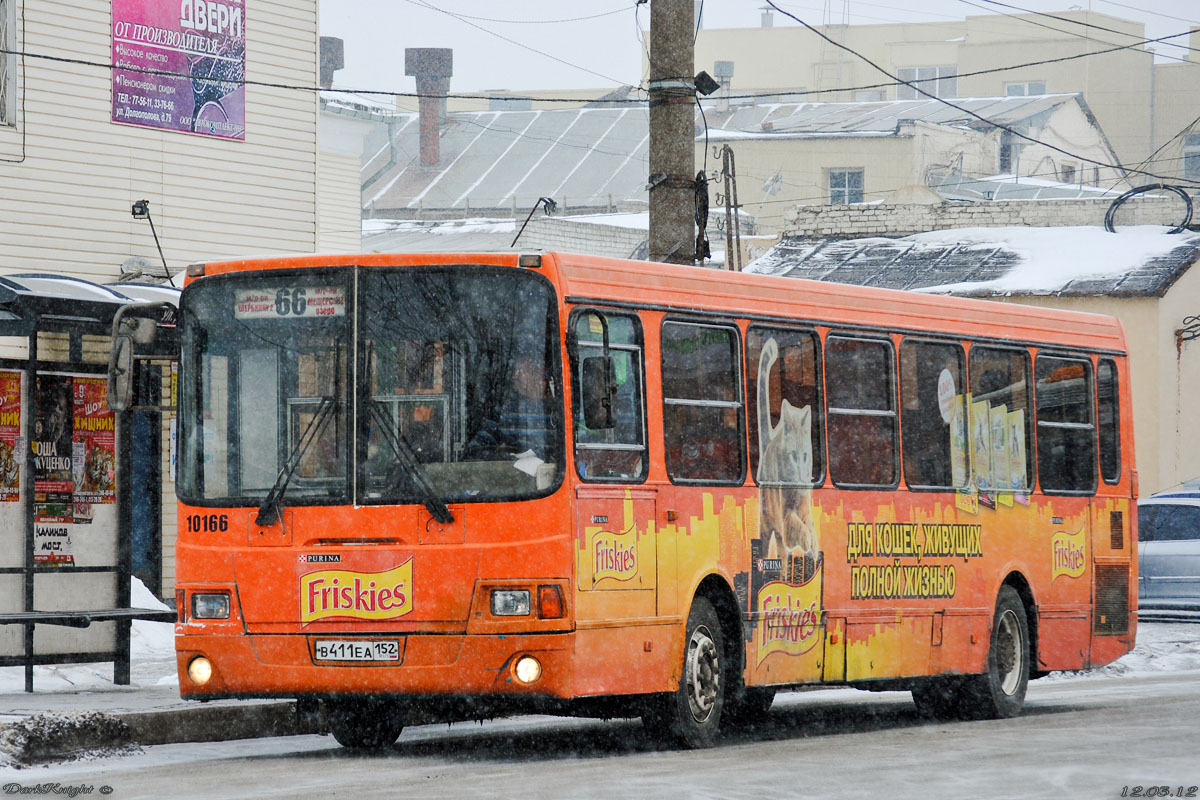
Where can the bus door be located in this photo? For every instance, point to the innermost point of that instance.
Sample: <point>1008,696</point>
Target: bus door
<point>616,552</point>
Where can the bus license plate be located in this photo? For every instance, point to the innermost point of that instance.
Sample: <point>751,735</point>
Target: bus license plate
<point>357,650</point>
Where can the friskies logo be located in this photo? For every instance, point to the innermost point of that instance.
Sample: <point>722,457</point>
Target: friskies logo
<point>1069,553</point>
<point>790,620</point>
<point>357,595</point>
<point>614,555</point>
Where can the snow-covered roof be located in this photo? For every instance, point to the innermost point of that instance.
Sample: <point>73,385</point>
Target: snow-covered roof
<point>1081,261</point>
<point>881,118</point>
<point>597,158</point>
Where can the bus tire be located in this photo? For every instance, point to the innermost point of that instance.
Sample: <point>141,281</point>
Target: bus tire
<point>938,698</point>
<point>999,693</point>
<point>364,723</point>
<point>749,707</point>
<point>692,713</point>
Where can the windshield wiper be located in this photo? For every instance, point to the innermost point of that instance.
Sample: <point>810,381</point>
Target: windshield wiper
<point>408,459</point>
<point>269,511</point>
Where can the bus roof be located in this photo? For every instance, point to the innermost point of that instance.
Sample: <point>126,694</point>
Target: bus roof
<point>685,289</point>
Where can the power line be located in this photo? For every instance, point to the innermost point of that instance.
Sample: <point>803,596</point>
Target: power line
<point>465,21</point>
<point>1067,20</point>
<point>968,112</point>
<point>620,10</point>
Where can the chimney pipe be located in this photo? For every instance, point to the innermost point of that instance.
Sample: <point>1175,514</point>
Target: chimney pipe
<point>432,67</point>
<point>332,59</point>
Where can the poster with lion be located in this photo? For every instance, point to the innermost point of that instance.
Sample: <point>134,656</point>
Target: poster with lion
<point>93,452</point>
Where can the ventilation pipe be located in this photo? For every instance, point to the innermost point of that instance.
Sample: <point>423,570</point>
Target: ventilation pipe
<point>432,67</point>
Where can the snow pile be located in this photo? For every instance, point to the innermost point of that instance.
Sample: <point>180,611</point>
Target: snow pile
<point>1161,647</point>
<point>65,737</point>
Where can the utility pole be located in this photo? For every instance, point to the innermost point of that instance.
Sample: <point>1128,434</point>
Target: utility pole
<point>672,132</point>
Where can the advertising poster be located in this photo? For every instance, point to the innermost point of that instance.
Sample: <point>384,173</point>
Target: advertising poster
<point>74,457</point>
<point>958,442</point>
<point>52,479</point>
<point>180,65</point>
<point>11,450</point>
<point>981,445</point>
<point>94,453</point>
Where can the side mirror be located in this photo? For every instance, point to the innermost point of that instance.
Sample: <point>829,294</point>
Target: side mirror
<point>599,392</point>
<point>120,373</point>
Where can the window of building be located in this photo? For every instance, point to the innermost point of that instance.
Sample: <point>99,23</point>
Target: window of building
<point>1024,88</point>
<point>617,453</point>
<point>702,409</point>
<point>869,96</point>
<point>1066,173</point>
<point>1000,419</point>
<point>1066,433</point>
<point>933,414</point>
<point>1191,157</point>
<point>937,81</point>
<point>845,186</point>
<point>785,419</point>
<point>1108,420</point>
<point>8,63</point>
<point>859,380</point>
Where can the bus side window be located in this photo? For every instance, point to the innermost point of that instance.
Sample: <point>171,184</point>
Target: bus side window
<point>861,398</point>
<point>1000,419</point>
<point>702,410</point>
<point>616,454</point>
<point>786,422</point>
<point>1109,420</point>
<point>933,414</point>
<point>1066,431</point>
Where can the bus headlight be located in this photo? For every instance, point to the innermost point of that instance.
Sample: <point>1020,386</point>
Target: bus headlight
<point>210,606</point>
<point>527,669</point>
<point>200,670</point>
<point>510,603</point>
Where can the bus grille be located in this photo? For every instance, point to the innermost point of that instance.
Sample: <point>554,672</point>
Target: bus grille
<point>1112,599</point>
<point>1116,529</point>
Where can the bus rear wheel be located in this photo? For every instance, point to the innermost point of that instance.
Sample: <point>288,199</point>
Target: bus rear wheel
<point>692,713</point>
<point>999,693</point>
<point>364,722</point>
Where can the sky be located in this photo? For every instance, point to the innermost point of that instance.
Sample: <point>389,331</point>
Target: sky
<point>588,44</point>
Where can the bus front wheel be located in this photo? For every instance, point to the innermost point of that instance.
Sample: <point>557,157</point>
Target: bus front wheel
<point>692,713</point>
<point>999,693</point>
<point>364,722</point>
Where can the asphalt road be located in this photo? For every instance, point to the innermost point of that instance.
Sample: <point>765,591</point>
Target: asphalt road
<point>1088,738</point>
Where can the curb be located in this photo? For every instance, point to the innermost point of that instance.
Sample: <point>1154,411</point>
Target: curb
<point>50,737</point>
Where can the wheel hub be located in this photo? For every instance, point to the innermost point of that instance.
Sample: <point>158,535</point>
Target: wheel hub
<point>703,674</point>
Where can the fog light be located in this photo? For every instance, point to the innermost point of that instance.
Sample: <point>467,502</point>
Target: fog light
<point>210,606</point>
<point>527,669</point>
<point>510,603</point>
<point>200,670</point>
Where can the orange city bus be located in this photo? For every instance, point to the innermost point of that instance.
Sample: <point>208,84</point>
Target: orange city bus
<point>457,485</point>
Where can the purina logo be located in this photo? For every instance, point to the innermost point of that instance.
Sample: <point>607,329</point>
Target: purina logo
<point>357,595</point>
<point>320,558</point>
<point>1069,554</point>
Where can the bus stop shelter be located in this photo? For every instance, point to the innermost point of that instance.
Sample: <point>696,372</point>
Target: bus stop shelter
<point>66,510</point>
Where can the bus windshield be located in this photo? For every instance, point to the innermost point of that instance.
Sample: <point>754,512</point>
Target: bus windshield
<point>386,385</point>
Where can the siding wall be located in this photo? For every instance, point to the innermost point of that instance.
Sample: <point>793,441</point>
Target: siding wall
<point>68,174</point>
<point>66,205</point>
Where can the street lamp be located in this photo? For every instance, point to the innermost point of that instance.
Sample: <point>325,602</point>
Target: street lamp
<point>141,210</point>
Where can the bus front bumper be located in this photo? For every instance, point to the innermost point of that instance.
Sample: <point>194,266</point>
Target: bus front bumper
<point>275,665</point>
